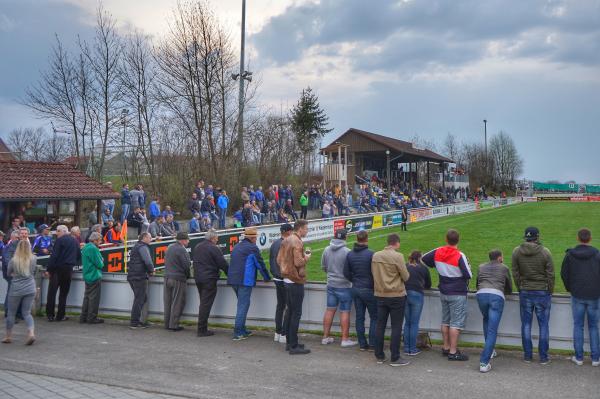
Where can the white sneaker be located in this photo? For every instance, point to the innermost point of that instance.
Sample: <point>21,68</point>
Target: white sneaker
<point>484,368</point>
<point>282,339</point>
<point>577,362</point>
<point>349,343</point>
<point>277,337</point>
<point>596,364</point>
<point>494,354</point>
<point>327,341</point>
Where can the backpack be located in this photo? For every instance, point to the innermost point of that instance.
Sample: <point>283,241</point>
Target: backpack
<point>423,340</point>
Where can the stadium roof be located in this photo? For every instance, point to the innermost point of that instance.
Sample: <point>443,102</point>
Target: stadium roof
<point>26,180</point>
<point>394,145</point>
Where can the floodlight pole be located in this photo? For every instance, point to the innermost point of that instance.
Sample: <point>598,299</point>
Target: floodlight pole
<point>240,138</point>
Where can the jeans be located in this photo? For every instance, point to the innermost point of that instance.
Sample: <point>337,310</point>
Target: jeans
<point>59,279</point>
<point>295,297</point>
<point>581,307</point>
<point>124,212</point>
<point>412,315</point>
<point>91,302</point>
<point>222,218</point>
<point>139,309</point>
<point>364,301</point>
<point>6,307</point>
<point>339,298</point>
<point>394,308</point>
<point>303,212</point>
<point>281,316</point>
<point>207,291</point>
<point>243,294</point>
<point>22,304</point>
<point>491,306</point>
<point>540,302</point>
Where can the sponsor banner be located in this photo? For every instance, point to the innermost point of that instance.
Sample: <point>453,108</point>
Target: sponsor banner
<point>594,198</point>
<point>339,224</point>
<point>377,221</point>
<point>267,235</point>
<point>440,211</point>
<point>555,198</point>
<point>360,223</point>
<point>319,230</point>
<point>530,199</point>
<point>416,215</point>
<point>466,207</point>
<point>391,219</point>
<point>487,204</point>
<point>579,199</point>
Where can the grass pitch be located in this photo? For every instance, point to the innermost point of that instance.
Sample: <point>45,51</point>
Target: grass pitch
<point>482,231</point>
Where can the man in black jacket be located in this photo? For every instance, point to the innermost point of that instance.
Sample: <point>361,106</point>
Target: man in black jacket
<point>358,270</point>
<point>208,262</point>
<point>139,268</point>
<point>65,256</point>
<point>581,274</point>
<point>281,322</point>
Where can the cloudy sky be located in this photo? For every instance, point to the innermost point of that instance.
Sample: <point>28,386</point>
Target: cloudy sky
<point>396,67</point>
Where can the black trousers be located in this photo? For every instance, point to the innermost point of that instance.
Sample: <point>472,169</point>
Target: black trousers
<point>394,308</point>
<point>404,226</point>
<point>207,291</point>
<point>295,296</point>
<point>282,317</point>
<point>60,280</point>
<point>303,212</point>
<point>140,297</point>
<point>91,302</point>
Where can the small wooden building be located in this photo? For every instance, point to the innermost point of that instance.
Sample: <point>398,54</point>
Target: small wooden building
<point>46,192</point>
<point>357,153</point>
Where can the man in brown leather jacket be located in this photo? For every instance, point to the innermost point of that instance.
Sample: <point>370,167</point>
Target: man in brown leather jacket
<point>292,260</point>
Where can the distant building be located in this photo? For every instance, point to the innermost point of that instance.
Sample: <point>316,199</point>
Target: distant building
<point>5,153</point>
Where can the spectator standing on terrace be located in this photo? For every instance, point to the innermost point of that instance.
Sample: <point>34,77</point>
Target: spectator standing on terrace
<point>339,289</point>
<point>419,280</point>
<point>42,245</point>
<point>139,268</point>
<point>289,209</point>
<point>292,260</point>
<point>156,227</point>
<point>109,203</point>
<point>304,205</point>
<point>168,227</point>
<point>326,213</point>
<point>280,326</point>
<point>493,281</point>
<point>137,220</point>
<point>65,256</point>
<point>92,262</point>
<point>223,204</point>
<point>389,275</point>
<point>107,217</point>
<point>194,224</point>
<point>455,273</point>
<point>199,190</point>
<point>193,204</point>
<point>177,271</point>
<point>533,271</point>
<point>246,260</point>
<point>136,196</point>
<point>581,274</point>
<point>125,202</point>
<point>259,196</point>
<point>208,263</point>
<point>244,195</point>
<point>357,270</point>
<point>21,294</point>
<point>95,228</point>
<point>154,209</point>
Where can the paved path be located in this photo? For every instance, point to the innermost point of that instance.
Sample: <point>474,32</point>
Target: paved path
<point>19,385</point>
<point>180,364</point>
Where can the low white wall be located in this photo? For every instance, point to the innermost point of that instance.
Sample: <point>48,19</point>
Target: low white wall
<point>117,298</point>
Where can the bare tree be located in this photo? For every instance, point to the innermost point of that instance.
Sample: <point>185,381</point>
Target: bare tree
<point>507,162</point>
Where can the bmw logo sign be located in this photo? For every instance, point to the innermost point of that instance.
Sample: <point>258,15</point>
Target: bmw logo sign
<point>262,239</point>
<point>349,225</point>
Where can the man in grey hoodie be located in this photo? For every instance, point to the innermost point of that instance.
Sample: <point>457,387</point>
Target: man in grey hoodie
<point>339,289</point>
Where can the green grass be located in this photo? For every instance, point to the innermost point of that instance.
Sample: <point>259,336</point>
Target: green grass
<point>483,231</point>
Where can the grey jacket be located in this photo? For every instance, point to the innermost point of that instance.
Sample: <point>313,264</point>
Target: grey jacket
<point>333,261</point>
<point>494,278</point>
<point>177,262</point>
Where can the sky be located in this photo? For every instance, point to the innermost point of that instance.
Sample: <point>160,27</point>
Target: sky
<point>395,67</point>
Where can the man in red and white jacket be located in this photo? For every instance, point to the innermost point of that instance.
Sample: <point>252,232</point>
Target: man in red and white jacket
<point>455,273</point>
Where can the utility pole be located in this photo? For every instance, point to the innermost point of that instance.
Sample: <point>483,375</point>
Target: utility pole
<point>485,135</point>
<point>240,139</point>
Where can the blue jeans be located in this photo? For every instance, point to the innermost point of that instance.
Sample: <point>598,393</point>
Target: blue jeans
<point>243,304</point>
<point>581,307</point>
<point>412,315</point>
<point>18,314</point>
<point>124,212</point>
<point>364,300</point>
<point>491,306</point>
<point>540,302</point>
<point>222,218</point>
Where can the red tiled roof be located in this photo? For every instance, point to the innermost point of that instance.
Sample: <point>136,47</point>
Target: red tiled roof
<point>23,180</point>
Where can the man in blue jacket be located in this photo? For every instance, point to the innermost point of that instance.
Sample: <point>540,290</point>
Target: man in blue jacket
<point>222,204</point>
<point>125,202</point>
<point>245,261</point>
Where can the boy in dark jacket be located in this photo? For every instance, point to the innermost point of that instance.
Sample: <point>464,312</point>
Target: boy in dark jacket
<point>245,261</point>
<point>581,274</point>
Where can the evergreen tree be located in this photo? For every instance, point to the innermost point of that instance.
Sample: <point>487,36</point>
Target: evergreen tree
<point>309,121</point>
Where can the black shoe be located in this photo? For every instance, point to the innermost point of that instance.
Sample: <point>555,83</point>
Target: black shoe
<point>445,352</point>
<point>206,333</point>
<point>287,347</point>
<point>369,348</point>
<point>299,350</point>
<point>50,318</point>
<point>137,326</point>
<point>96,321</point>
<point>178,328</point>
<point>458,357</point>
<point>82,321</point>
<point>64,318</point>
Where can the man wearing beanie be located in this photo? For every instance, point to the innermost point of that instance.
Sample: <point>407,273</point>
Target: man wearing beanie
<point>177,271</point>
<point>533,272</point>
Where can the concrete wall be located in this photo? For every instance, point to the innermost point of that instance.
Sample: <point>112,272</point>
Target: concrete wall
<point>117,299</point>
